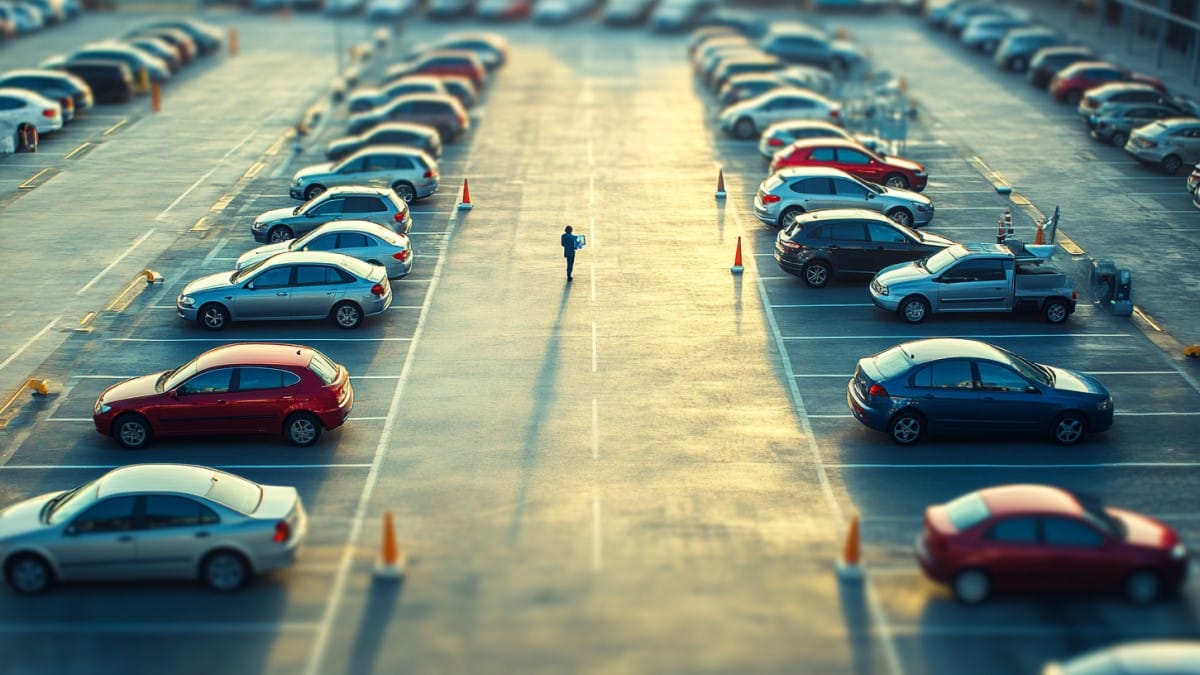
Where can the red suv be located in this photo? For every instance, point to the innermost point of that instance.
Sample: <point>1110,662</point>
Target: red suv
<point>1071,82</point>
<point>244,388</point>
<point>853,158</point>
<point>1037,538</point>
<point>442,62</point>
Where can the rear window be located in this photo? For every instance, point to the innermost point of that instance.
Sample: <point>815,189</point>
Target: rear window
<point>892,362</point>
<point>967,511</point>
<point>322,367</point>
<point>235,492</point>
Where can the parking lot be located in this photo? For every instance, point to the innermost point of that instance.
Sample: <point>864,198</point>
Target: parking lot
<point>648,469</point>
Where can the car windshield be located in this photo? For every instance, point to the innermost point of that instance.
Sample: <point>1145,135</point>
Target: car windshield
<point>1033,371</point>
<point>1095,513</point>
<point>242,274</point>
<point>66,505</point>
<point>967,511</point>
<point>323,368</point>
<point>174,378</point>
<point>236,492</point>
<point>941,261</point>
<point>892,362</point>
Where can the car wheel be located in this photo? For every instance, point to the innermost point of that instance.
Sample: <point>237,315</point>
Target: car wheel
<point>224,570</point>
<point>971,587</point>
<point>896,180</point>
<point>816,273</point>
<point>346,315</point>
<point>280,233</point>
<point>906,427</point>
<point>744,128</point>
<point>1072,97</point>
<point>1171,164</point>
<point>132,432</point>
<point>27,138</point>
<point>1142,587</point>
<point>1118,139</point>
<point>789,216</point>
<point>1018,64</point>
<point>28,573</point>
<point>1056,311</point>
<point>312,191</point>
<point>302,429</point>
<point>914,309</point>
<point>901,216</point>
<point>214,316</point>
<point>1068,428</point>
<point>405,192</point>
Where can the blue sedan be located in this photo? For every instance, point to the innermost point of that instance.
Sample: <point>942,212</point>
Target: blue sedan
<point>954,385</point>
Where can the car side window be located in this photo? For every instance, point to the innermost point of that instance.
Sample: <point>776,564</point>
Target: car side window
<point>328,208</point>
<point>1014,531</point>
<point>975,270</point>
<point>312,275</point>
<point>209,382</point>
<point>164,511</point>
<point>325,242</point>
<point>950,374</point>
<point>1070,533</point>
<point>811,186</point>
<point>276,277</point>
<point>352,166</point>
<point>257,378</point>
<point>356,205</point>
<point>822,155</point>
<point>849,188</point>
<point>377,163</point>
<point>111,515</point>
<point>993,377</point>
<point>847,231</point>
<point>354,240</point>
<point>851,156</point>
<point>10,103</point>
<point>881,233</point>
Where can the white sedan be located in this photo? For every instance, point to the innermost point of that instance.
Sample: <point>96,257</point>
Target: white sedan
<point>747,119</point>
<point>20,107</point>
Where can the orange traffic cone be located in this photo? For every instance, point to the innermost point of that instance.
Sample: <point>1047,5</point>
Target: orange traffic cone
<point>848,567</point>
<point>1039,237</point>
<point>233,42</point>
<point>720,183</point>
<point>737,259</point>
<point>391,559</point>
<point>466,196</point>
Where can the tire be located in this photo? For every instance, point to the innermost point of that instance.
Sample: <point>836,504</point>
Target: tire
<point>405,192</point>
<point>789,216</point>
<point>902,216</point>
<point>1056,311</point>
<point>301,429</point>
<point>906,427</point>
<point>816,273</point>
<point>1073,97</point>
<point>27,138</point>
<point>224,570</point>
<point>914,309</point>
<point>971,586</point>
<point>1068,428</point>
<point>346,315</point>
<point>28,573</point>
<point>1118,139</point>
<point>744,128</point>
<point>1171,164</point>
<point>132,432</point>
<point>312,191</point>
<point>896,180</point>
<point>280,233</point>
<point>1142,587</point>
<point>213,316</point>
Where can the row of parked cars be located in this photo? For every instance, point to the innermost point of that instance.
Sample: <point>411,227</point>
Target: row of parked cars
<point>22,17</point>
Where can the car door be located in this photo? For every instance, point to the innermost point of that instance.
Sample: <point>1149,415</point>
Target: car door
<point>327,211</point>
<point>402,111</point>
<point>202,404</point>
<point>945,393</point>
<point>357,245</point>
<point>364,207</point>
<point>1075,556</point>
<point>376,170</point>
<point>812,193</point>
<point>888,246</point>
<point>265,296</point>
<point>176,533</point>
<point>1012,554</point>
<point>975,284</point>
<point>263,396</point>
<point>314,290</point>
<point>100,543</point>
<point>1189,144</point>
<point>847,245</point>
<point>849,193</point>
<point>788,107</point>
<point>860,164</point>
<point>1008,401</point>
<point>350,172</point>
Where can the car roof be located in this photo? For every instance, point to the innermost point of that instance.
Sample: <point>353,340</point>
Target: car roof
<point>258,353</point>
<point>357,226</point>
<point>804,124</point>
<point>828,141</point>
<point>411,127</point>
<point>423,96</point>
<point>356,190</point>
<point>1015,499</point>
<point>811,171</point>
<point>845,214</point>
<point>181,478</point>
<point>1118,87</point>
<point>38,72</point>
<point>388,149</point>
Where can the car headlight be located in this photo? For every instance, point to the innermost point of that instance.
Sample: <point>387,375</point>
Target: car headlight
<point>923,208</point>
<point>297,180</point>
<point>101,407</point>
<point>1179,552</point>
<point>186,301</point>
<point>919,174</point>
<point>1106,404</point>
<point>258,225</point>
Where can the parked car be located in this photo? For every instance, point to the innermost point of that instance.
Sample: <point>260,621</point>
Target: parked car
<point>444,10</point>
<point>22,106</point>
<point>461,88</point>
<point>110,81</point>
<point>208,37</point>
<point>820,245</point>
<point>71,92</point>
<point>289,286</point>
<point>503,10</point>
<point>1040,538</point>
<point>360,239</point>
<point>969,386</point>
<point>850,156</point>
<point>674,16</point>
<point>1020,45</point>
<point>441,62</point>
<point>1131,92</point>
<point>358,202</point>
<point>1071,82</point>
<point>152,521</point>
<point>748,118</point>
<point>390,10</point>
<point>729,65</point>
<point>1193,179</point>
<point>1048,61</point>
<point>184,45</point>
<point>963,14</point>
<point>420,136</point>
<point>136,59</point>
<point>369,98</point>
<point>1167,143</point>
<point>781,134</point>
<point>711,59</point>
<point>1113,122</point>
<point>410,173</point>
<point>742,87</point>
<point>628,12</point>
<point>491,48</point>
<point>984,33</point>
<point>801,43</point>
<point>1141,657</point>
<point>440,111</point>
<point>741,21</point>
<point>786,195</point>
<point>159,48</point>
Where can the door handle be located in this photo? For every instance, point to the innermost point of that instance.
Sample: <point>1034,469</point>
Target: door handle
<point>287,398</point>
<point>282,293</point>
<point>221,401</point>
<point>202,534</point>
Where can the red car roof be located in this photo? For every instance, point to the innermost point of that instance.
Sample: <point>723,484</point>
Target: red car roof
<point>256,353</point>
<point>1010,500</point>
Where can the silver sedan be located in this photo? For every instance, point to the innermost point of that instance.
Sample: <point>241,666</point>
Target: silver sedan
<point>293,285</point>
<point>360,239</point>
<point>152,521</point>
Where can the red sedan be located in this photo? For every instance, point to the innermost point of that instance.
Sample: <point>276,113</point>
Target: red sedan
<point>1031,538</point>
<point>245,388</point>
<point>442,62</point>
<point>853,158</point>
<point>1071,82</point>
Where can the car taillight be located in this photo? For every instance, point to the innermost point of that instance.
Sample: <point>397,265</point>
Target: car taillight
<point>430,173</point>
<point>283,532</point>
<point>771,199</point>
<point>1148,144</point>
<point>49,112</point>
<point>462,120</point>
<point>774,142</point>
<point>877,390</point>
<point>834,114</point>
<point>378,290</point>
<point>789,244</point>
<point>399,217</point>
<point>68,103</point>
<point>401,255</point>
<point>1075,294</point>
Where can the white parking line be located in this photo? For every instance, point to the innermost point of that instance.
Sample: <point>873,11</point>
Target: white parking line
<point>290,339</point>
<point>25,345</point>
<point>981,465</point>
<point>1115,414</point>
<point>157,627</point>
<point>127,251</point>
<point>215,250</point>
<point>186,192</point>
<point>997,336</point>
<point>822,304</point>
<point>230,467</point>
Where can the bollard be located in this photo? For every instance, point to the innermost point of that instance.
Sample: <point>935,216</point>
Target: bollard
<point>144,79</point>
<point>155,96</point>
<point>233,42</point>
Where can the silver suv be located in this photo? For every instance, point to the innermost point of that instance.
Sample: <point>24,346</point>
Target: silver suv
<point>356,202</point>
<point>1168,143</point>
<point>409,172</point>
<point>787,194</point>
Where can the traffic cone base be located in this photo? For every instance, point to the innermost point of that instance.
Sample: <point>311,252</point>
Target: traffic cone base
<point>466,196</point>
<point>848,567</point>
<point>737,259</point>
<point>392,560</point>
<point>720,183</point>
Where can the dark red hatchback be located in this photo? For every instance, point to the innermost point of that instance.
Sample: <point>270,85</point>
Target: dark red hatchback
<point>1038,538</point>
<point>853,158</point>
<point>243,388</point>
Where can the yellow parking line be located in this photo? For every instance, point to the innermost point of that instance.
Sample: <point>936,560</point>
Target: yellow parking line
<point>1068,245</point>
<point>1146,317</point>
<point>221,203</point>
<point>78,149</point>
<point>254,170</point>
<point>200,225</point>
<point>28,184</point>
<point>274,149</point>
<point>116,126</point>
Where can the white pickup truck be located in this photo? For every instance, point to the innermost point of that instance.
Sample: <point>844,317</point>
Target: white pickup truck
<point>976,278</point>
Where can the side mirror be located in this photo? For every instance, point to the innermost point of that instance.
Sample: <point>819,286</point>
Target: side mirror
<point>250,285</point>
<point>1032,390</point>
<point>870,195</point>
<point>174,394</point>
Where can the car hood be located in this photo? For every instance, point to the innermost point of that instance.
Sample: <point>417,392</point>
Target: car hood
<point>314,170</point>
<point>1071,380</point>
<point>914,197</point>
<point>137,387</point>
<point>261,253</point>
<point>276,214</point>
<point>935,239</point>
<point>900,273</point>
<point>1144,530</point>
<point>905,164</point>
<point>208,283</point>
<point>23,517</point>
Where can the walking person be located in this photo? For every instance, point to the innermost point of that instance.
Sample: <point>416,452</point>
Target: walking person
<point>568,244</point>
